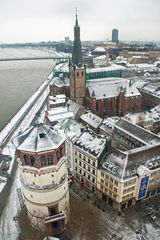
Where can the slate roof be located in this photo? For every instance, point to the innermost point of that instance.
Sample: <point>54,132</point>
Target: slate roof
<point>38,138</point>
<point>91,143</point>
<point>138,132</point>
<point>110,87</point>
<point>91,119</point>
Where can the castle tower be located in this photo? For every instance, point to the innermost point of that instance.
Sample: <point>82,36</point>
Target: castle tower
<point>77,69</point>
<point>41,152</point>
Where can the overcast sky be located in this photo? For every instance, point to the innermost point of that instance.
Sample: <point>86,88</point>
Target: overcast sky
<point>48,20</point>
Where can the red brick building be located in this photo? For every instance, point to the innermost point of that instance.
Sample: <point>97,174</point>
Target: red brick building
<point>112,96</point>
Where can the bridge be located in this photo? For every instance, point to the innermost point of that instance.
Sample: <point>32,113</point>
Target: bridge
<point>55,58</point>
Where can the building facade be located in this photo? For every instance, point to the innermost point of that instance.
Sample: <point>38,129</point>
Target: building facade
<point>132,172</point>
<point>89,149</point>
<point>41,152</point>
<point>115,35</point>
<point>112,97</point>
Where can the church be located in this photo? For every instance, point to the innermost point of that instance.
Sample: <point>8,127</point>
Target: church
<point>104,96</point>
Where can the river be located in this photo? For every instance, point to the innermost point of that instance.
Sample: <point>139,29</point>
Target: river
<point>18,81</point>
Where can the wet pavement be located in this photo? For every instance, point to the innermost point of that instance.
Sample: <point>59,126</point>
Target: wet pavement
<point>93,219</point>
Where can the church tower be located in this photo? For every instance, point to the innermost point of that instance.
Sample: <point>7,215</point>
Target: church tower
<point>77,69</point>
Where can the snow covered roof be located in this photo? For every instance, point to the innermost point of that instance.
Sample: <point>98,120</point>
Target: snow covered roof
<point>71,127</point>
<point>108,124</point>
<point>110,87</point>
<point>73,106</point>
<point>91,143</point>
<point>124,165</point>
<point>155,113</point>
<point>137,132</point>
<point>113,67</point>
<point>91,119</point>
<point>99,49</point>
<point>60,82</point>
<point>100,57</point>
<point>39,138</point>
<point>60,116</point>
<point>138,117</point>
<point>58,99</point>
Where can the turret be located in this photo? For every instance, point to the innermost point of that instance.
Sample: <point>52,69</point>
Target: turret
<point>41,153</point>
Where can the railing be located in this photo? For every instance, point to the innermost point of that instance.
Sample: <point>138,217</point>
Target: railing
<point>45,187</point>
<point>54,218</point>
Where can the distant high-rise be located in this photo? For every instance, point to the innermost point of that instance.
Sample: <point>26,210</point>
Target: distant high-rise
<point>115,35</point>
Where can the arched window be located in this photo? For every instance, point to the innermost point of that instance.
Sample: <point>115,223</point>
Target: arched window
<point>43,161</point>
<point>61,152</point>
<point>77,74</point>
<point>32,159</point>
<point>27,160</point>
<point>50,160</point>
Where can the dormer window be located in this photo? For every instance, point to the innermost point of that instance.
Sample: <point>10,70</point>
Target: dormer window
<point>41,135</point>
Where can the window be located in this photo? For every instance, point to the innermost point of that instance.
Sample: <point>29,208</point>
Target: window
<point>82,74</point>
<point>76,169</point>
<point>77,74</point>
<point>89,177</point>
<point>41,135</point>
<point>84,158</point>
<point>32,161</point>
<point>111,180</point>
<point>102,181</point>
<point>43,161</point>
<point>93,164</point>
<point>84,174</point>
<point>102,174</point>
<point>79,155</point>
<point>80,163</point>
<point>75,152</point>
<point>106,184</point>
<point>27,160</point>
<point>107,177</point>
<point>61,152</point>
<point>80,171</point>
<point>93,180</point>
<point>50,160</point>
<point>116,183</point>
<point>89,160</point>
<point>75,160</point>
<point>93,172</point>
<point>115,190</point>
<point>89,169</point>
<point>84,165</point>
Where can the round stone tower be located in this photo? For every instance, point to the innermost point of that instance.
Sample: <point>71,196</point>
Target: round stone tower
<point>41,152</point>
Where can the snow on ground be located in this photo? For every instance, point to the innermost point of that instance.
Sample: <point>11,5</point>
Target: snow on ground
<point>8,226</point>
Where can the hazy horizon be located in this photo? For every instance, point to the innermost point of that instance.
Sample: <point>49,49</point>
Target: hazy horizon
<point>34,21</point>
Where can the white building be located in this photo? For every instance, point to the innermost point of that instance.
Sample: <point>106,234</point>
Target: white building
<point>41,151</point>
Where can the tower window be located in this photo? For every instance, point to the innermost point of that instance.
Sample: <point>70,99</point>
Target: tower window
<point>43,161</point>
<point>77,74</point>
<point>50,160</point>
<point>82,74</point>
<point>32,161</point>
<point>27,160</point>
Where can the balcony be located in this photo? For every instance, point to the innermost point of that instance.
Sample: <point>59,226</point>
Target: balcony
<point>54,218</point>
<point>45,187</point>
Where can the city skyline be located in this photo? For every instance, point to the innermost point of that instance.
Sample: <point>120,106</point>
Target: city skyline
<point>25,21</point>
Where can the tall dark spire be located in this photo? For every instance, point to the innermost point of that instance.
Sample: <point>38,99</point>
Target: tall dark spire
<point>77,58</point>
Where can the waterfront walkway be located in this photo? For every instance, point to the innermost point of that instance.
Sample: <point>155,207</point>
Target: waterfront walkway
<point>25,116</point>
